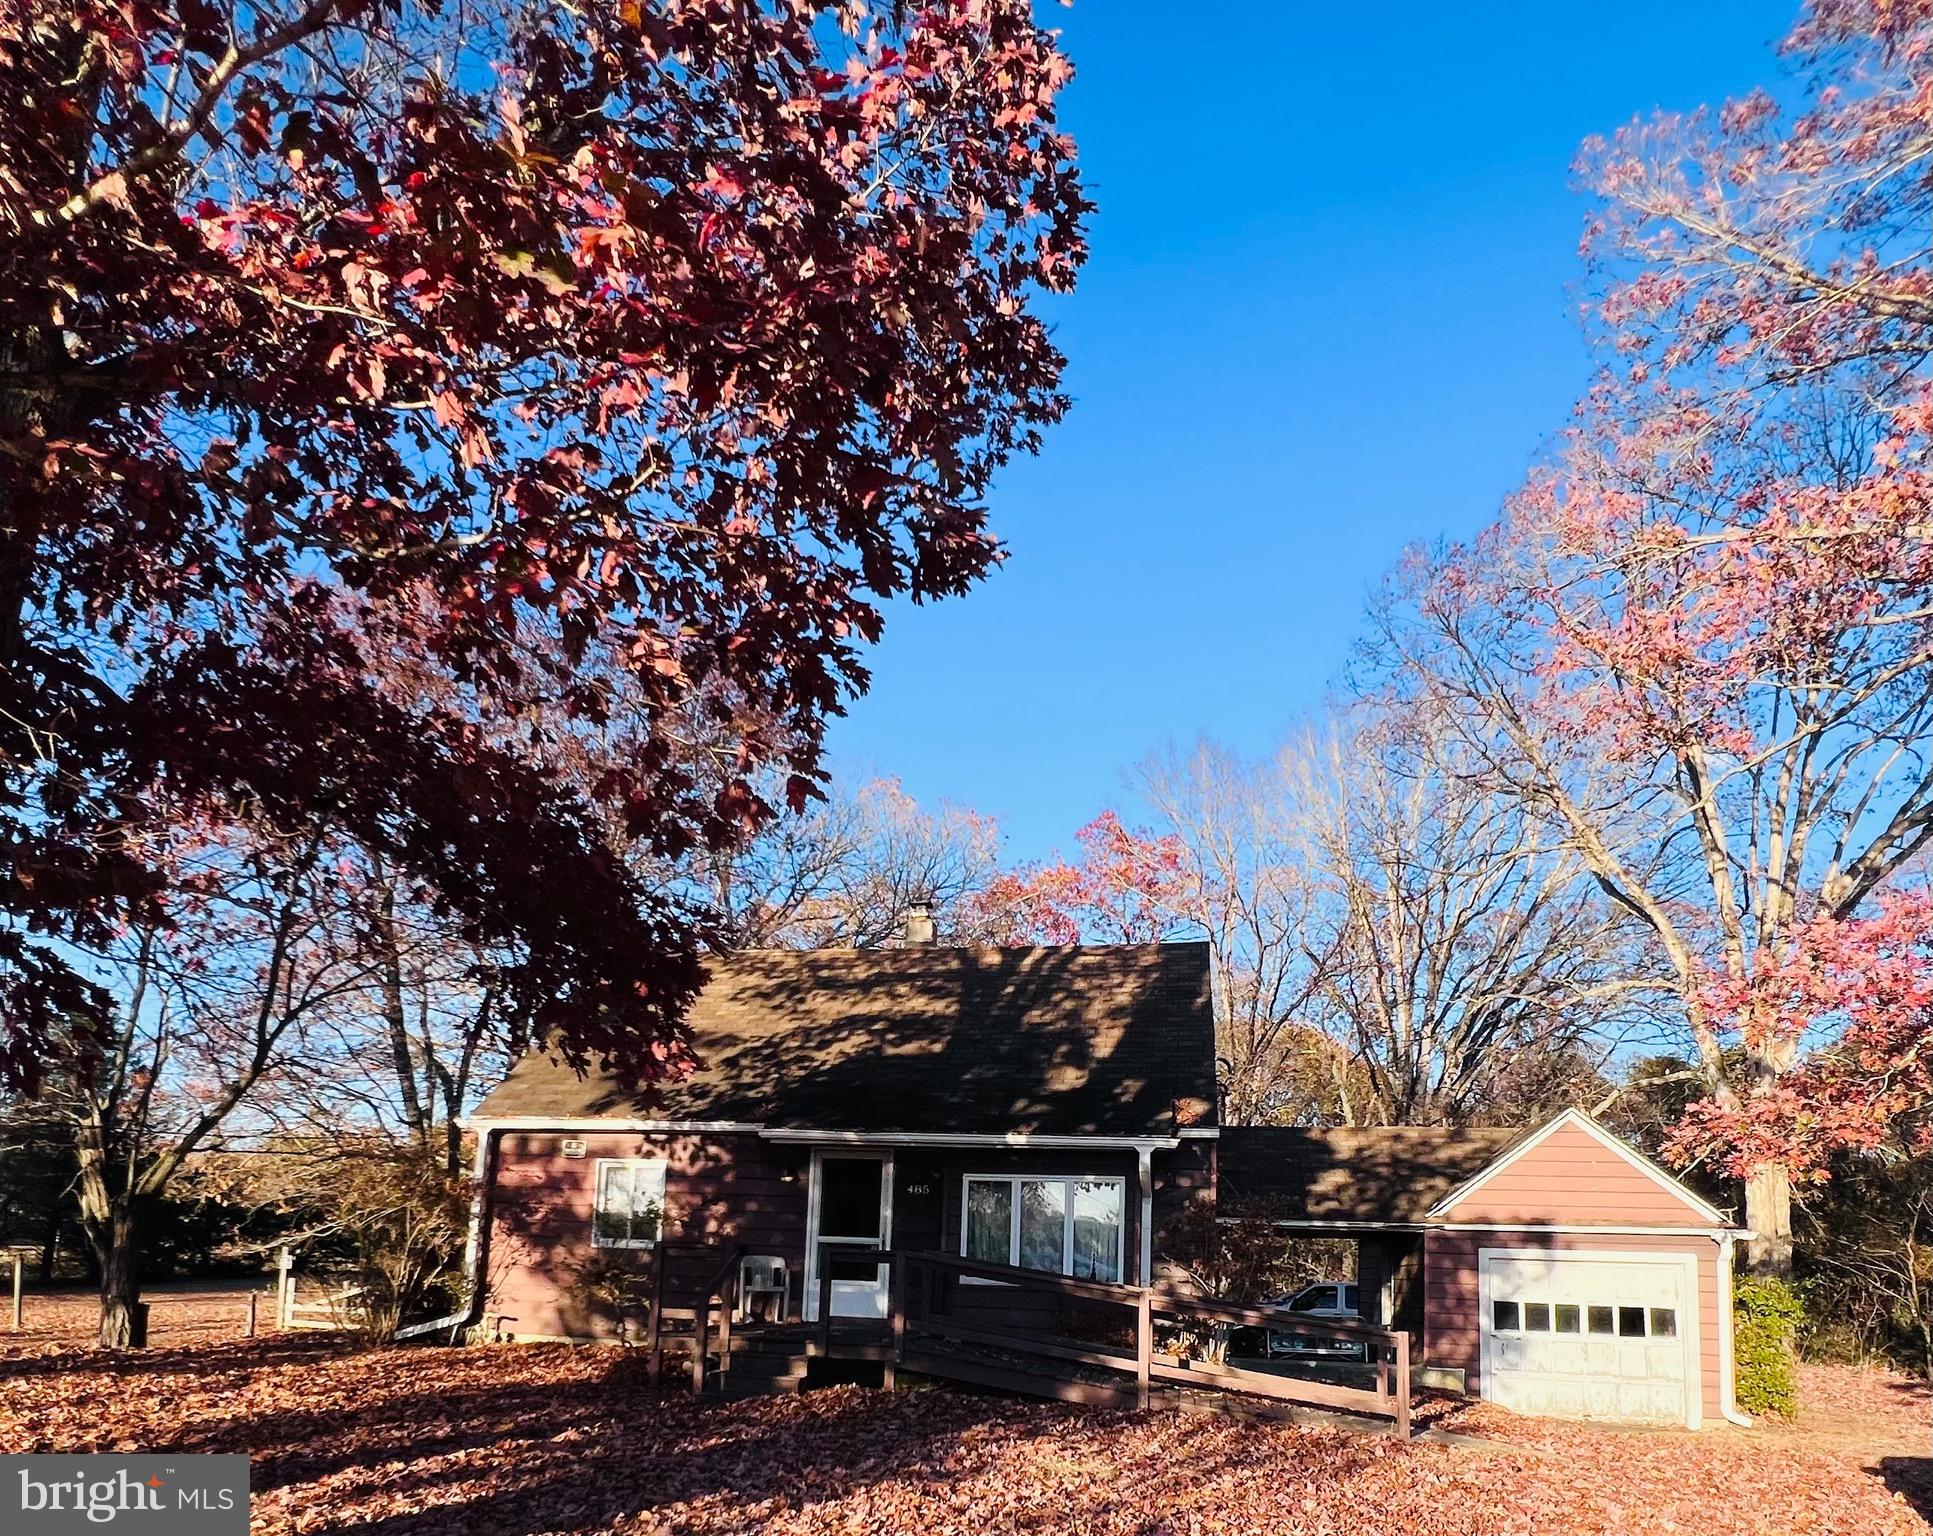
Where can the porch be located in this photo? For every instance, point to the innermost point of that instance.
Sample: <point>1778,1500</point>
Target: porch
<point>1006,1328</point>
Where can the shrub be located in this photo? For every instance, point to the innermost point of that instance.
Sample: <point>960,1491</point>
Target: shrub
<point>1768,1314</point>
<point>614,1287</point>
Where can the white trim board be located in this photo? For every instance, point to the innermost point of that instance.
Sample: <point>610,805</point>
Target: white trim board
<point>1583,1122</point>
<point>1570,1229</point>
<point>577,1123</point>
<point>1687,1262</point>
<point>515,1123</point>
<point>966,1139</point>
<point>1290,1223</point>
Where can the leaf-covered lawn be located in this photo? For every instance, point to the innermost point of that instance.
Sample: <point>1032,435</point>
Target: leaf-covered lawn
<point>492,1441</point>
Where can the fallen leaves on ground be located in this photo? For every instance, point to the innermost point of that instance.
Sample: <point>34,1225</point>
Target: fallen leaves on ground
<point>494,1441</point>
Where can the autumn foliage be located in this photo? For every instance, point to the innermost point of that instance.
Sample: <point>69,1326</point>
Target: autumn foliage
<point>445,1442</point>
<point>1699,644</point>
<point>493,340</point>
<point>1853,998</point>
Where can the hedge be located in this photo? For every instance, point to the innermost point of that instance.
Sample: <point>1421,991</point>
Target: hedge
<point>1768,1313</point>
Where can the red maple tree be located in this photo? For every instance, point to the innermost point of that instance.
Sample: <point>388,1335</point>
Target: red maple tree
<point>487,336</point>
<point>1127,886</point>
<point>1852,999</point>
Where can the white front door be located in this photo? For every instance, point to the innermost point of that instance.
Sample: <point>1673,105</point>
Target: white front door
<point>1591,1335</point>
<point>851,1211</point>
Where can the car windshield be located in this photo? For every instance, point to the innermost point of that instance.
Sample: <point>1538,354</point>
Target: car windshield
<point>1314,1299</point>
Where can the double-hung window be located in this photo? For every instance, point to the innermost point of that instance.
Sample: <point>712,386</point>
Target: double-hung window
<point>1064,1226</point>
<point>629,1209</point>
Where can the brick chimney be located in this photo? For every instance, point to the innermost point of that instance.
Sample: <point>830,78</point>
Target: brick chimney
<point>919,924</point>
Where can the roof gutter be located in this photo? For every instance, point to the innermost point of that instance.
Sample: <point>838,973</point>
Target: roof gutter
<point>966,1139</point>
<point>483,1123</point>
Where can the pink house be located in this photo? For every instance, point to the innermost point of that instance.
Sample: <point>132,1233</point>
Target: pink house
<point>1053,1110</point>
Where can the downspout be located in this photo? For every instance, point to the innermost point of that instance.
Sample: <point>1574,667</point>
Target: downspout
<point>1727,1364</point>
<point>473,1289</point>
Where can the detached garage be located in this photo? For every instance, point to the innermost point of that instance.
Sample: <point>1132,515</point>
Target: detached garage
<point>1555,1272</point>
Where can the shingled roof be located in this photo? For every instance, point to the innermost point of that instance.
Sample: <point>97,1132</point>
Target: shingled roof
<point>1114,1040</point>
<point>1387,1174</point>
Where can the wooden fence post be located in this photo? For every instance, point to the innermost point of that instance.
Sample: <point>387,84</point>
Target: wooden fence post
<point>252,1293</point>
<point>656,1321</point>
<point>1143,1346</point>
<point>284,1286</point>
<point>896,1306</point>
<point>700,1344</point>
<point>17,1298</point>
<point>728,1310</point>
<point>1402,1383</point>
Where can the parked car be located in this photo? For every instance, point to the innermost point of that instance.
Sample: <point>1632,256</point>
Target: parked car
<point>1323,1299</point>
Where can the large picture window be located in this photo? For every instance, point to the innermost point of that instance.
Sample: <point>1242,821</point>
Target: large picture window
<point>1064,1226</point>
<point>629,1210</point>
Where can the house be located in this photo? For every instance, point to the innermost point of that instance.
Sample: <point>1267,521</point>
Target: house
<point>1053,1109</point>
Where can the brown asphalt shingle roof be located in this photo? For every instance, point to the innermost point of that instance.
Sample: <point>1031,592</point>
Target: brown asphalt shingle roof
<point>1382,1174</point>
<point>1068,1040</point>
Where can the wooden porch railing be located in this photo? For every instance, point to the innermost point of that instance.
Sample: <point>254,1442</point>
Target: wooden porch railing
<point>716,1297</point>
<point>923,1289</point>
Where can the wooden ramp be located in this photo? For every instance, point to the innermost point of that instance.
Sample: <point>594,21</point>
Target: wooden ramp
<point>1002,1328</point>
<point>1089,1341</point>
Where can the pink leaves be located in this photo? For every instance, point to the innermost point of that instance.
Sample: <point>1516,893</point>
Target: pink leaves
<point>1126,887</point>
<point>1850,1002</point>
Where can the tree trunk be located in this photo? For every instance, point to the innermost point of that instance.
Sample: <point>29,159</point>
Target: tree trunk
<point>118,1248</point>
<point>1768,1212</point>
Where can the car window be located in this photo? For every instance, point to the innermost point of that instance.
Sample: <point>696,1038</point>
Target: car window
<point>1349,1294</point>
<point>1314,1298</point>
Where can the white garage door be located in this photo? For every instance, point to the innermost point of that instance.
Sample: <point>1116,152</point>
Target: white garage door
<point>1591,1335</point>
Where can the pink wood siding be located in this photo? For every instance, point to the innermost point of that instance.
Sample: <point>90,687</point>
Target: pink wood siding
<point>1450,1335</point>
<point>718,1189</point>
<point>1571,1179</point>
<point>737,1188</point>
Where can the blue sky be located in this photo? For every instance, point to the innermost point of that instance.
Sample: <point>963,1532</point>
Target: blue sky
<point>1329,313</point>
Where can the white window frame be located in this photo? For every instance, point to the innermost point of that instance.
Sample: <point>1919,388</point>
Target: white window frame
<point>598,1239</point>
<point>1014,1181</point>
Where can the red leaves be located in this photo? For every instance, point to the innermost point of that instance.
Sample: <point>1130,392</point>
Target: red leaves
<point>1852,1001</point>
<point>1127,887</point>
<point>444,1442</point>
<point>716,249</point>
